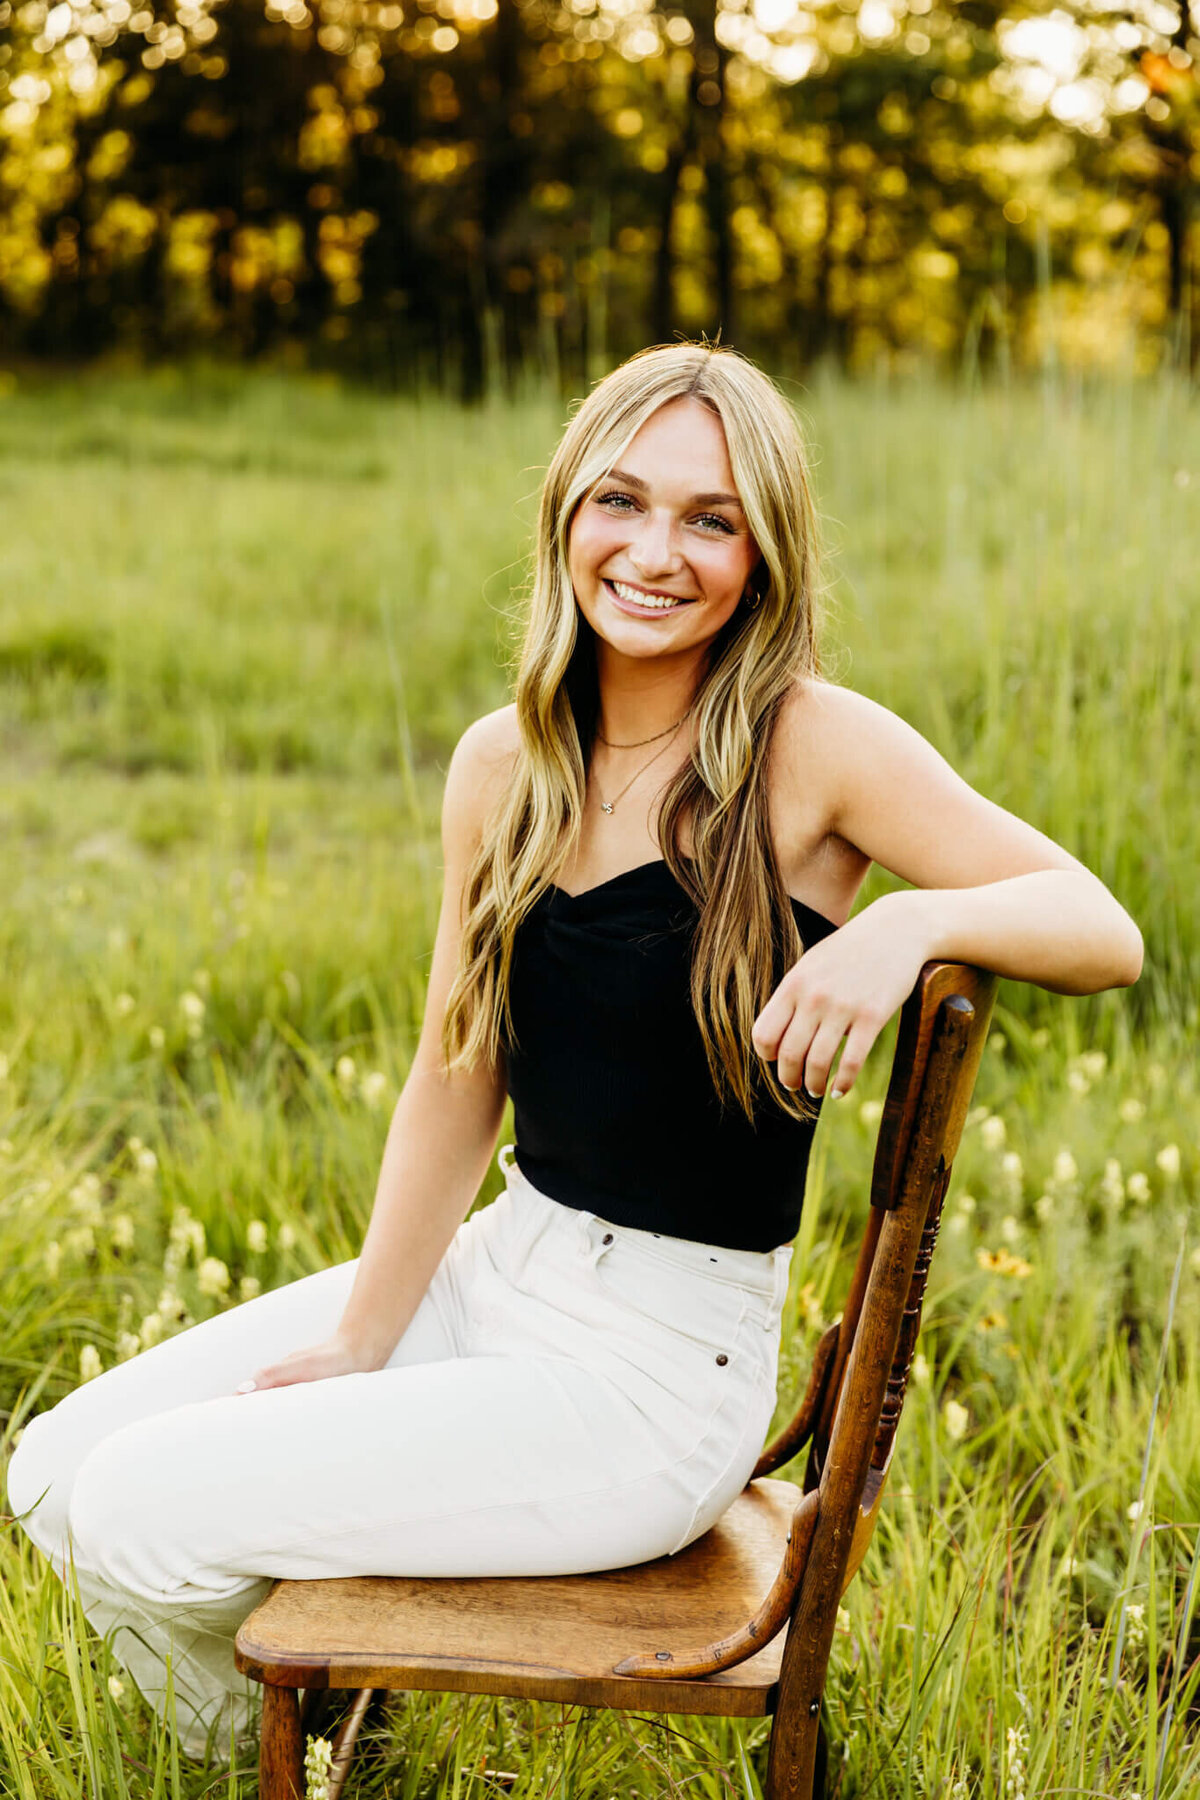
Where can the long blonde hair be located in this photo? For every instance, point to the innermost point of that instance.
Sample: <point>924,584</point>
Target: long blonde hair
<point>747,931</point>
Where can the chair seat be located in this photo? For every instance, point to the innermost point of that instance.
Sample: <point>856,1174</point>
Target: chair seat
<point>544,1637</point>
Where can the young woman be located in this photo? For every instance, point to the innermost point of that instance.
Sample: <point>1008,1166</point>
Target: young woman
<point>650,862</point>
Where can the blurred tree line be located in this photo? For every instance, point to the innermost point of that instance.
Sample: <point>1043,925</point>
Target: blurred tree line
<point>463,188</point>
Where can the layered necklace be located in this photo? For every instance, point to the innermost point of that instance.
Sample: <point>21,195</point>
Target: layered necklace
<point>606,806</point>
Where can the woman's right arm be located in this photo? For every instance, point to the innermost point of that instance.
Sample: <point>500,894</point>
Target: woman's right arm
<point>444,1128</point>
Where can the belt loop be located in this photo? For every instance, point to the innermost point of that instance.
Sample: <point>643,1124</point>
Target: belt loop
<point>505,1159</point>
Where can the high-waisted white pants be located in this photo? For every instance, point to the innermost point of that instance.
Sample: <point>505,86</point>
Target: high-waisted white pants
<point>569,1395</point>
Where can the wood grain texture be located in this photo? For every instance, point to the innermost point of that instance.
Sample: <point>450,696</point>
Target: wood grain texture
<point>752,1634</point>
<point>544,1638</point>
<point>937,1057</point>
<point>938,980</point>
<point>281,1747</point>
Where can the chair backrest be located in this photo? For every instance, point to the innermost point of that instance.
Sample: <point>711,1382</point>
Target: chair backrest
<point>940,1040</point>
<point>855,1392</point>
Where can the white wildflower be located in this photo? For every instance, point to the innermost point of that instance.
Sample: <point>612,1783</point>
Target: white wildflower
<point>5,1065</point>
<point>1138,1187</point>
<point>1134,1511</point>
<point>998,1043</point>
<point>346,1071</point>
<point>1068,1565</point>
<point>256,1236</point>
<point>213,1277</point>
<point>285,1237</point>
<point>84,1199</point>
<point>1010,1229</point>
<point>191,1005</point>
<point>1135,1626</point>
<point>79,1241</point>
<point>1112,1186</point>
<point>1012,1170</point>
<point>170,1305</point>
<point>249,1287</point>
<point>374,1087</point>
<point>157,1037</point>
<point>123,1005</point>
<point>202,981</point>
<point>89,1363</point>
<point>145,1161</point>
<point>116,1687</point>
<point>1131,1110</point>
<point>53,1258</point>
<point>870,1112</point>
<point>1078,1082</point>
<point>966,1203</point>
<point>317,1761</point>
<point>128,1344</point>
<point>1093,1063</point>
<point>956,1418</point>
<point>1168,1160</point>
<point>1194,1259</point>
<point>843,1621</point>
<point>993,1132</point>
<point>1066,1169</point>
<point>121,1227</point>
<point>920,1370</point>
<point>1044,1206</point>
<point>151,1330</point>
<point>1016,1739</point>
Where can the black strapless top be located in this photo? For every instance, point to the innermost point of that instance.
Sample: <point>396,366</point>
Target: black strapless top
<point>614,1106</point>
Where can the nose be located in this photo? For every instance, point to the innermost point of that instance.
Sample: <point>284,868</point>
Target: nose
<point>654,551</point>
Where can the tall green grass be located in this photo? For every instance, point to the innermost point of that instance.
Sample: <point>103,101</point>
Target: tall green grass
<point>242,625</point>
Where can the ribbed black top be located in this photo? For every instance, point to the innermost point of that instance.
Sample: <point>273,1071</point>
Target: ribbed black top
<point>614,1106</point>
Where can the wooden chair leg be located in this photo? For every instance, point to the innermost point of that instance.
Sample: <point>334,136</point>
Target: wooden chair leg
<point>821,1763</point>
<point>281,1746</point>
<point>795,1757</point>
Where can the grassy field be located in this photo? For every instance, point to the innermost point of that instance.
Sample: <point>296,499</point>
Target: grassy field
<point>243,621</point>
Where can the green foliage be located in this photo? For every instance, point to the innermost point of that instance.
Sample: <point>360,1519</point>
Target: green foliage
<point>467,191</point>
<point>216,957</point>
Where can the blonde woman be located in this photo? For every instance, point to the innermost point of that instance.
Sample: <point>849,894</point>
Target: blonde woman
<point>645,940</point>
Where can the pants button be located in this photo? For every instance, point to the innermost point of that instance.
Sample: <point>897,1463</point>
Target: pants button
<point>722,1360</point>
<point>607,1238</point>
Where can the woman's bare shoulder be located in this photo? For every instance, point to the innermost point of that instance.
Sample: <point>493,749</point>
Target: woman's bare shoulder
<point>480,769</point>
<point>814,724</point>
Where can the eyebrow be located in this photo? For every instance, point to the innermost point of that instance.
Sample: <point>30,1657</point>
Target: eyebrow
<point>634,481</point>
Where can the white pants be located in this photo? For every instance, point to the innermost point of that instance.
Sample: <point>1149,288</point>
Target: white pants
<point>569,1395</point>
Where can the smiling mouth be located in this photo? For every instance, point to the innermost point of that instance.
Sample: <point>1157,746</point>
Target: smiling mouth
<point>649,602</point>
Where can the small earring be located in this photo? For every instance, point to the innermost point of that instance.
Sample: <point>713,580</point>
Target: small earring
<point>752,598</point>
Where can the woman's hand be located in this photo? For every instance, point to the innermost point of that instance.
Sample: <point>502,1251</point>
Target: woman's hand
<point>847,986</point>
<point>336,1356</point>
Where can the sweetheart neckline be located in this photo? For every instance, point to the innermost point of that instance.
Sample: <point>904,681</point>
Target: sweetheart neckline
<point>660,862</point>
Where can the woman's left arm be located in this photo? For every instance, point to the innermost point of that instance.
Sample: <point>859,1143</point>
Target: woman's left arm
<point>987,889</point>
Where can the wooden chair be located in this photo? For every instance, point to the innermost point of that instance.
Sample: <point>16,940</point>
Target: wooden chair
<point>742,1621</point>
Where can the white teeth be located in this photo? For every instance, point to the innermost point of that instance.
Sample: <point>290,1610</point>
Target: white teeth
<point>635,596</point>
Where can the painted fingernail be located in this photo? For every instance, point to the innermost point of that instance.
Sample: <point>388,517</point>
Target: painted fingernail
<point>245,1387</point>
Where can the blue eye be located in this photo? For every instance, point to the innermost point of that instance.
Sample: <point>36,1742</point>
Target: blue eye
<point>622,501</point>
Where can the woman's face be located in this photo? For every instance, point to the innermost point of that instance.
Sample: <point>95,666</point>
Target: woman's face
<point>659,552</point>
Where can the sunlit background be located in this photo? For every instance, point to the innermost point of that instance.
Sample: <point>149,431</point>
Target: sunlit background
<point>461,189</point>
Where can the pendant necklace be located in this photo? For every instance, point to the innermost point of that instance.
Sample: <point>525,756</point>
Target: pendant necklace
<point>607,805</point>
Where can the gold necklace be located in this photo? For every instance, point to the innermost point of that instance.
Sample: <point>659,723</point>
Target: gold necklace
<point>607,805</point>
<point>638,742</point>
